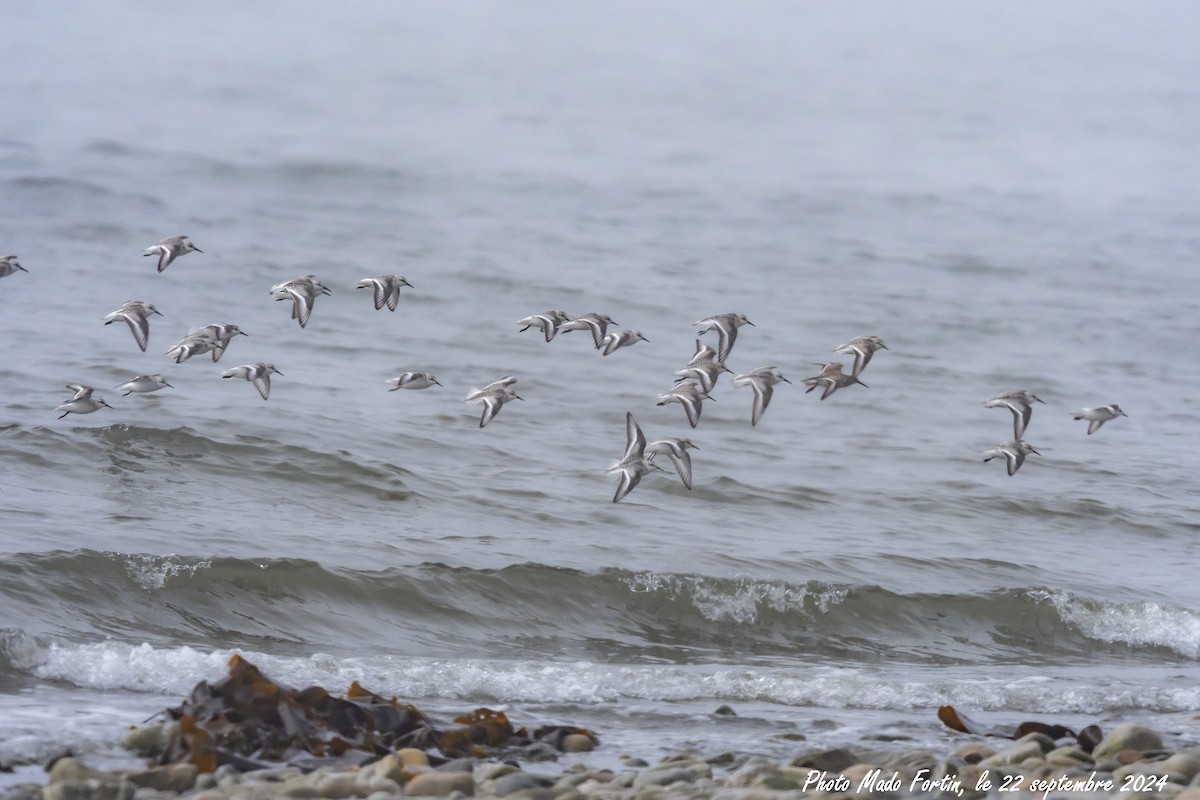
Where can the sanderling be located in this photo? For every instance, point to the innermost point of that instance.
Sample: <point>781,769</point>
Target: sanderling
<point>726,326</point>
<point>9,265</point>
<point>703,354</point>
<point>676,449</point>
<point>192,346</point>
<point>493,396</point>
<point>688,395</point>
<point>832,378</point>
<point>862,347</point>
<point>144,384</point>
<point>615,340</point>
<point>1098,416</point>
<point>1020,403</point>
<point>136,314</point>
<point>387,289</point>
<point>762,381</point>
<point>413,380</point>
<point>1014,453</point>
<point>548,323</point>
<point>596,323</point>
<point>303,293</point>
<point>705,374</point>
<point>219,335</point>
<point>170,249</point>
<point>259,374</point>
<point>634,464</point>
<point>81,402</point>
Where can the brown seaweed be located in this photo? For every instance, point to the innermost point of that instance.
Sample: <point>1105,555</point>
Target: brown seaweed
<point>954,719</point>
<point>251,722</point>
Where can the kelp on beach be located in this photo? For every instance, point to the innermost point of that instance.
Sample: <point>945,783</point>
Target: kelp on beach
<point>250,721</point>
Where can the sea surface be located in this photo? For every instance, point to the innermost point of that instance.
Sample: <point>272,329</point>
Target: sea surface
<point>1008,194</point>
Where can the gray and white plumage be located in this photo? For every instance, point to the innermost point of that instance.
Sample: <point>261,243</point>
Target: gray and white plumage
<point>192,346</point>
<point>81,401</point>
<point>726,326</point>
<point>548,323</point>
<point>675,448</point>
<point>413,380</point>
<point>493,396</point>
<point>591,321</point>
<point>9,265</point>
<point>170,249</point>
<point>303,293</point>
<point>615,340</point>
<point>762,381</point>
<point>705,374</point>
<point>862,348</point>
<point>136,315</point>
<point>832,378</point>
<point>219,335</point>
<point>1014,453</point>
<point>634,463</point>
<point>688,395</point>
<point>387,289</point>
<point>1020,403</point>
<point>1098,416</point>
<point>258,374</point>
<point>144,384</point>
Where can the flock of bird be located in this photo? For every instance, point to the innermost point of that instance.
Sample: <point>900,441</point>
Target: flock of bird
<point>693,383</point>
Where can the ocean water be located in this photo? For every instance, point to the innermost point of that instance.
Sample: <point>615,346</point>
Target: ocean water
<point>1007,195</point>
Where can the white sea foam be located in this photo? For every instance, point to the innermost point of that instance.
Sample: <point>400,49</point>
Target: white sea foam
<point>173,672</point>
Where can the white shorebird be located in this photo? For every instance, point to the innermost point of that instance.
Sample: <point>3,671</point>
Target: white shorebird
<point>1098,416</point>
<point>136,314</point>
<point>615,340</point>
<point>832,378</point>
<point>688,395</point>
<point>726,326</point>
<point>1014,453</point>
<point>634,464</point>
<point>258,374</point>
<point>144,384</point>
<point>675,448</point>
<point>9,265</point>
<point>493,396</point>
<point>548,323</point>
<point>303,293</point>
<point>862,348</point>
<point>387,289</point>
<point>596,323</point>
<point>1020,403</point>
<point>413,380</point>
<point>762,381</point>
<point>170,249</point>
<point>81,402</point>
<point>219,335</point>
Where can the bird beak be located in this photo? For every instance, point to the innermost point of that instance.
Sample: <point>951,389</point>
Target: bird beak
<point>785,380</point>
<point>518,397</point>
<point>1032,450</point>
<point>197,249</point>
<point>167,384</point>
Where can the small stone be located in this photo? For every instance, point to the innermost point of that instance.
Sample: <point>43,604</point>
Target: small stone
<point>636,762</point>
<point>68,768</point>
<point>492,770</point>
<point>151,741</point>
<point>664,777</point>
<point>412,756</point>
<point>387,768</point>
<point>833,760</point>
<point>1129,756</point>
<point>437,784</point>
<point>1016,753</point>
<point>725,711</point>
<point>857,772</point>
<point>974,752</point>
<point>89,789</point>
<point>1187,764</point>
<point>577,743</point>
<point>519,782</point>
<point>177,778</point>
<point>1068,756</point>
<point>1127,737</point>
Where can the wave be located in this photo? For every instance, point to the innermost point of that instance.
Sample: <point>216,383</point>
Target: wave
<point>172,671</point>
<point>298,606</point>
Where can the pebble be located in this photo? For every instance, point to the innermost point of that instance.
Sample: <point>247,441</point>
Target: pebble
<point>1133,765</point>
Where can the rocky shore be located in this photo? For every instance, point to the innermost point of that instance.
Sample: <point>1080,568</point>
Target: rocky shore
<point>1129,762</point>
